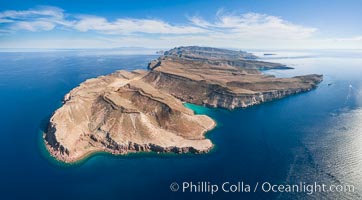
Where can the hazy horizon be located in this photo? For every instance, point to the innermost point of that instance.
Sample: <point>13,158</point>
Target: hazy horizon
<point>229,24</point>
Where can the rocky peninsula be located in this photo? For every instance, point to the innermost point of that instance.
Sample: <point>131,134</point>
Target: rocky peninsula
<point>142,110</point>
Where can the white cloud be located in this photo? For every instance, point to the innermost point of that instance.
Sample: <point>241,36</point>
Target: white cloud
<point>244,25</point>
<point>33,26</point>
<point>253,25</point>
<point>48,18</point>
<point>39,12</point>
<point>5,20</point>
<point>131,25</point>
<point>247,30</point>
<point>350,39</point>
<point>44,18</point>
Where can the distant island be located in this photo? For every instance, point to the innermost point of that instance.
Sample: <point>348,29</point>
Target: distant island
<point>142,110</point>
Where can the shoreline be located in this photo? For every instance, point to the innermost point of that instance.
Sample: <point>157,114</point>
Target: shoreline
<point>82,159</point>
<point>194,107</point>
<point>154,113</point>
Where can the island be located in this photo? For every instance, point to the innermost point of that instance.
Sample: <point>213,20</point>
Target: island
<point>143,111</point>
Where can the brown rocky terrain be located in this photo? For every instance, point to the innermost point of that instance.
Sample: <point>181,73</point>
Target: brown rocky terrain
<point>213,78</point>
<point>143,111</point>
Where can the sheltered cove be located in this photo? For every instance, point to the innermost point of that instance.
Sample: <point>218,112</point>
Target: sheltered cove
<point>142,110</point>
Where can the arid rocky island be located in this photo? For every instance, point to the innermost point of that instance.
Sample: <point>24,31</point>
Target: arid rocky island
<point>142,110</point>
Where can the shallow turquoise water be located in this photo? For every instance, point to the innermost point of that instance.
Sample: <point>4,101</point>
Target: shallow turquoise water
<point>315,136</point>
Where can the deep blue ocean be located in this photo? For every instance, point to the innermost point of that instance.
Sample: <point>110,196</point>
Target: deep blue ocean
<point>309,137</point>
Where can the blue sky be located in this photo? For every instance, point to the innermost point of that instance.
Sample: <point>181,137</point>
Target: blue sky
<point>164,24</point>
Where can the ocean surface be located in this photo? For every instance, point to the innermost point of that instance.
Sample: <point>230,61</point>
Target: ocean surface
<point>306,138</point>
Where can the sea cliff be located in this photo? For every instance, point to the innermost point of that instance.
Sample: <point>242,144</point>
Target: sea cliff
<point>143,110</point>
